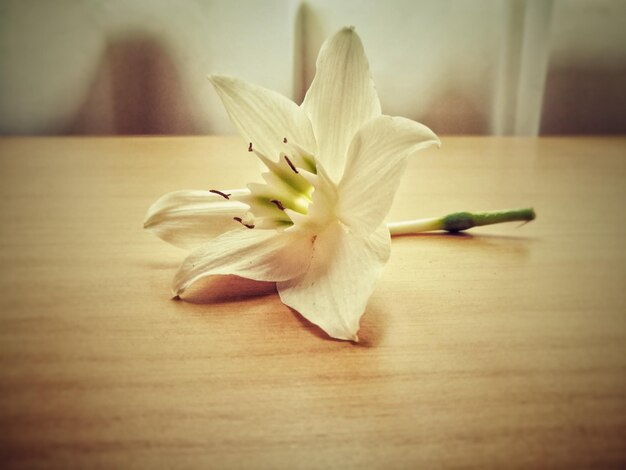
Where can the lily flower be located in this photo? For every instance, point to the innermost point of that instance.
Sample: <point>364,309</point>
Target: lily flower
<point>315,225</point>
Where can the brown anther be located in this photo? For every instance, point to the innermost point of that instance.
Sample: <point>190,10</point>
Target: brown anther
<point>278,204</point>
<point>250,147</point>
<point>285,140</point>
<point>240,220</point>
<point>224,195</point>
<point>291,164</point>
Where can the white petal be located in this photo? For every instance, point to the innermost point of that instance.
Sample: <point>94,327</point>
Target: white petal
<point>260,255</point>
<point>334,291</point>
<point>341,99</point>
<point>190,218</point>
<point>376,161</point>
<point>264,117</point>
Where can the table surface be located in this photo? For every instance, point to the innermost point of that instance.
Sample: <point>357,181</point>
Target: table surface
<point>505,347</point>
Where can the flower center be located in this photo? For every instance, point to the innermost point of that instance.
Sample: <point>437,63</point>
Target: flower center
<point>287,191</point>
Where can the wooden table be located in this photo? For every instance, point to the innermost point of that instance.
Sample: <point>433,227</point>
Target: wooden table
<point>505,347</point>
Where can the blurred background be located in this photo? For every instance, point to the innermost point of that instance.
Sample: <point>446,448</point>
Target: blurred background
<point>501,67</point>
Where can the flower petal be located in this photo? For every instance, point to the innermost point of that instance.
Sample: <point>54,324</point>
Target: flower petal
<point>260,255</point>
<point>334,291</point>
<point>189,218</point>
<point>341,98</point>
<point>264,117</point>
<point>376,161</point>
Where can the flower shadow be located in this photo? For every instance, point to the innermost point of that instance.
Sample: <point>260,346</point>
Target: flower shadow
<point>462,236</point>
<point>222,289</point>
<point>370,334</point>
<point>512,245</point>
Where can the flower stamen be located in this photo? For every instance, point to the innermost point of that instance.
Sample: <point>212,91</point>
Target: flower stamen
<point>250,147</point>
<point>240,220</point>
<point>278,204</point>
<point>285,140</point>
<point>224,195</point>
<point>291,164</point>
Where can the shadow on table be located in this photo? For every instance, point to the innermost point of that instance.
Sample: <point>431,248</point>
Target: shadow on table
<point>493,244</point>
<point>463,236</point>
<point>221,289</point>
<point>224,289</point>
<point>371,332</point>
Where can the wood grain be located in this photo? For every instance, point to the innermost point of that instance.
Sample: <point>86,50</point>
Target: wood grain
<point>501,348</point>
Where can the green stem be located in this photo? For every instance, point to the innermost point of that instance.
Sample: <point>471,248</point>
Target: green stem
<point>460,221</point>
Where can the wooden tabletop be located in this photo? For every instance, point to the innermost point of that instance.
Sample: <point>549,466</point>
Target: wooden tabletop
<point>505,347</point>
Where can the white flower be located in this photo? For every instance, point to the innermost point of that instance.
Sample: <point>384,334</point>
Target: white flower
<point>315,226</point>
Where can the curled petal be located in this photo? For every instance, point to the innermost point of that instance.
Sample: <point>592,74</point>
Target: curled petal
<point>376,161</point>
<point>260,255</point>
<point>334,291</point>
<point>189,218</point>
<point>342,98</point>
<point>263,117</point>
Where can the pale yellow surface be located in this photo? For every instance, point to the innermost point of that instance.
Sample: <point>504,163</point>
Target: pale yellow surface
<point>503,348</point>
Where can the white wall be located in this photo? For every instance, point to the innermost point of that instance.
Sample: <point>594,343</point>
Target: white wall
<point>586,82</point>
<point>135,66</point>
<point>460,66</point>
<point>435,61</point>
